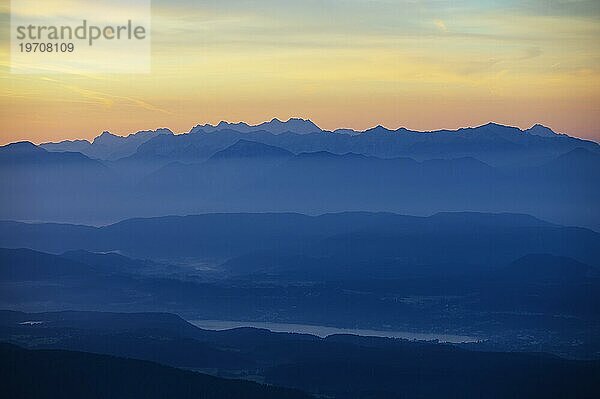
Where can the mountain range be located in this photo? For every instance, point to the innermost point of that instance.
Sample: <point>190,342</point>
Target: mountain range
<point>354,239</point>
<point>485,236</point>
<point>492,143</point>
<point>491,168</point>
<point>275,126</point>
<point>107,146</point>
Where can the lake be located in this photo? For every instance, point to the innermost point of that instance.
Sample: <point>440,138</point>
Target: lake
<point>324,331</point>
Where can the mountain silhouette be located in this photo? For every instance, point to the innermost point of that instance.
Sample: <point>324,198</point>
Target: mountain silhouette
<point>251,149</point>
<point>23,148</point>
<point>34,179</point>
<point>29,265</point>
<point>467,239</point>
<point>107,146</point>
<point>579,160</point>
<point>541,130</point>
<point>54,373</point>
<point>494,144</point>
<point>490,168</point>
<point>275,126</point>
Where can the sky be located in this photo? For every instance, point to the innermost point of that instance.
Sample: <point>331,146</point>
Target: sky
<point>423,65</point>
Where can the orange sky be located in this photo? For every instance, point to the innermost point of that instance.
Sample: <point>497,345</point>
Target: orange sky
<point>341,64</point>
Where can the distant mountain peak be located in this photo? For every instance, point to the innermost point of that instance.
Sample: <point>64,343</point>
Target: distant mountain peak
<point>107,145</point>
<point>292,120</point>
<point>541,130</point>
<point>493,124</point>
<point>378,129</point>
<point>161,130</point>
<point>494,131</point>
<point>144,135</point>
<point>274,126</point>
<point>106,137</point>
<point>346,131</point>
<point>293,125</point>
<point>229,125</point>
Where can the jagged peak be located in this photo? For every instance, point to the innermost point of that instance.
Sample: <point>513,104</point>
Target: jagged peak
<point>158,131</point>
<point>105,137</point>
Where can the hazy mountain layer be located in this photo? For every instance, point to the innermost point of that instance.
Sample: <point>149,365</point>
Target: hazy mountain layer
<point>465,239</point>
<point>233,175</point>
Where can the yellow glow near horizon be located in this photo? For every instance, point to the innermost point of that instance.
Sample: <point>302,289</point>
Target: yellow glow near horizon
<point>340,63</point>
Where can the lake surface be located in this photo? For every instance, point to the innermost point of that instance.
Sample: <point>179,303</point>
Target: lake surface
<point>324,331</point>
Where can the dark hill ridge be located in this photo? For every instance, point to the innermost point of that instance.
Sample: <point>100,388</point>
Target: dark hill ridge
<point>341,279</point>
<point>326,155</point>
<point>467,238</point>
<point>488,219</point>
<point>104,321</point>
<point>65,374</point>
<point>29,265</point>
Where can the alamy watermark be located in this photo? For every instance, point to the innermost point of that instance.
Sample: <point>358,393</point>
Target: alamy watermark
<point>80,36</point>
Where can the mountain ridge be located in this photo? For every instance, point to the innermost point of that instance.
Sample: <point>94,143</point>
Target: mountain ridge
<point>349,236</point>
<point>61,373</point>
<point>107,146</point>
<point>274,126</point>
<point>251,149</point>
